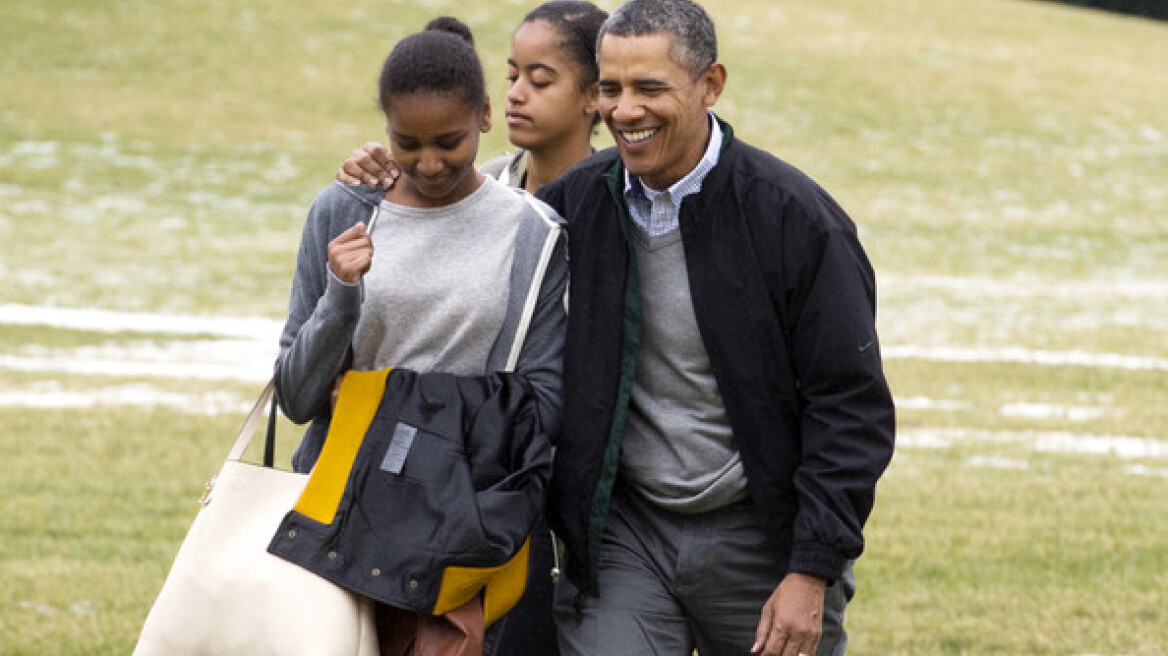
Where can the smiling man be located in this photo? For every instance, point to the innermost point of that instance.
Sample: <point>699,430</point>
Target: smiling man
<point>726,413</point>
<point>656,107</point>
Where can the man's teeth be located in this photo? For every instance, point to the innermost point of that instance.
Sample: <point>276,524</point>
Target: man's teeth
<point>640,135</point>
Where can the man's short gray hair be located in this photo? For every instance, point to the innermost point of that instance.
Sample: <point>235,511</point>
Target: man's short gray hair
<point>694,41</point>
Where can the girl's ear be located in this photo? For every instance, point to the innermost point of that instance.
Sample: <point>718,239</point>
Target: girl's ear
<point>485,121</point>
<point>591,100</point>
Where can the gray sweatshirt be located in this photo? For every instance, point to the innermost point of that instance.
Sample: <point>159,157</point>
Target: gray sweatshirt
<point>324,313</point>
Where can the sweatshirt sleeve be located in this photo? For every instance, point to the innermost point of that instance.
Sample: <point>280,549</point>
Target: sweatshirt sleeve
<point>541,358</point>
<point>322,317</point>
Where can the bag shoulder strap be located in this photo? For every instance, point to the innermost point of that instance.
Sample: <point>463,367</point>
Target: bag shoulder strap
<point>253,419</point>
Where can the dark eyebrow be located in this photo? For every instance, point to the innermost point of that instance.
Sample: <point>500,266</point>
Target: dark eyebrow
<point>537,66</point>
<point>650,82</point>
<point>639,82</point>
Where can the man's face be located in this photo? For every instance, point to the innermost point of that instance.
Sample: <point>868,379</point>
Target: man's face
<point>657,114</point>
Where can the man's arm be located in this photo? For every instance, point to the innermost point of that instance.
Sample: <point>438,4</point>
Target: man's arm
<point>847,422</point>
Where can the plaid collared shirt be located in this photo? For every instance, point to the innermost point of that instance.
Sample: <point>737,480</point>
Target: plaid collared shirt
<point>658,212</point>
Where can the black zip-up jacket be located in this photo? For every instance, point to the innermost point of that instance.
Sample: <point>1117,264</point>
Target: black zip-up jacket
<point>785,300</point>
<point>426,491</point>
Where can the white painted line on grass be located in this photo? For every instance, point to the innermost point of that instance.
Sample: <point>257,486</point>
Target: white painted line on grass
<point>1060,442</point>
<point>1031,287</point>
<point>1025,356</point>
<point>140,396</point>
<point>1141,470</point>
<point>268,331</point>
<point>1052,411</point>
<point>107,321</point>
<point>926,403</point>
<point>243,372</point>
<point>994,462</point>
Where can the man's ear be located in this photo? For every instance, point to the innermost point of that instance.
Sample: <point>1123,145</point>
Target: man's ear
<point>485,121</point>
<point>714,80</point>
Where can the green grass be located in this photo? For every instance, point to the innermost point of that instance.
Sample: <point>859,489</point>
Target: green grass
<point>13,337</point>
<point>1058,558</point>
<point>92,517</point>
<point>1004,160</point>
<point>1112,401</point>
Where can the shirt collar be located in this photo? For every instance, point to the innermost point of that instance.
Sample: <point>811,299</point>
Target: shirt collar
<point>692,182</point>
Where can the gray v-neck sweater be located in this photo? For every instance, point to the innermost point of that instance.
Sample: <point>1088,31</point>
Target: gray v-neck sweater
<point>678,448</point>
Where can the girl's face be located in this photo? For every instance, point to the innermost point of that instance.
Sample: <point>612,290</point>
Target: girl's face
<point>545,104</point>
<point>434,138</point>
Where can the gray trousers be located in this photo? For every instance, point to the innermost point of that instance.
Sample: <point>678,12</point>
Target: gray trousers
<point>672,583</point>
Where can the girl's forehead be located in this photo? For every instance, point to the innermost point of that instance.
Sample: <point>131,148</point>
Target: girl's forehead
<point>424,116</point>
<point>538,37</point>
<point>541,44</point>
<point>538,30</point>
<point>443,103</point>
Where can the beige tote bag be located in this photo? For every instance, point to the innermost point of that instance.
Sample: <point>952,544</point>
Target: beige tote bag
<point>226,595</point>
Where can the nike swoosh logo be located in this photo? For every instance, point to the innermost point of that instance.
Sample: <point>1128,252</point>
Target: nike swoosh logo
<point>865,347</point>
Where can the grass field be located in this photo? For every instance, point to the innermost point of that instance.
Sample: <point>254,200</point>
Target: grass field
<point>1006,161</point>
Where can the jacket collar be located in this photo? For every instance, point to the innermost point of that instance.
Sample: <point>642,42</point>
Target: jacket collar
<point>614,176</point>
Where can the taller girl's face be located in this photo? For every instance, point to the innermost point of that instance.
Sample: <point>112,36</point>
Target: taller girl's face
<point>434,138</point>
<point>545,102</point>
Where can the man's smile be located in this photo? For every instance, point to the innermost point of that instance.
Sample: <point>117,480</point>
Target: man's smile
<point>634,137</point>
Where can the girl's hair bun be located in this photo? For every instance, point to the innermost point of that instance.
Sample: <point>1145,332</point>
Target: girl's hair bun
<point>453,26</point>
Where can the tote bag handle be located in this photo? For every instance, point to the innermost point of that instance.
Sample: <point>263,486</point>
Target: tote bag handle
<point>253,419</point>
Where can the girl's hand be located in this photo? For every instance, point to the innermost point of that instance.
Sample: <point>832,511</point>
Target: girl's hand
<point>350,255</point>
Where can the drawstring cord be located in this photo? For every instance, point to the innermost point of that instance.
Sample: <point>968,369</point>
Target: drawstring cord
<point>555,558</point>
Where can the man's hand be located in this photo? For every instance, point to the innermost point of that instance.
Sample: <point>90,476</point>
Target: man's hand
<point>350,255</point>
<point>372,164</point>
<point>792,619</point>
